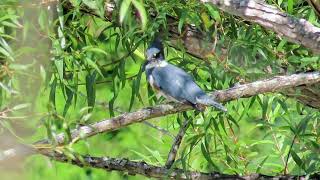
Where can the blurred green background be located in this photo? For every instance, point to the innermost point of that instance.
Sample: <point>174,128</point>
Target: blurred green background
<point>65,64</point>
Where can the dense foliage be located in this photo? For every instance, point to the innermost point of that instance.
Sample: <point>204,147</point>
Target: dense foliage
<point>64,66</point>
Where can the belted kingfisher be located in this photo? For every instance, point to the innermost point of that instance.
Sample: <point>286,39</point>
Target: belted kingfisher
<point>173,82</point>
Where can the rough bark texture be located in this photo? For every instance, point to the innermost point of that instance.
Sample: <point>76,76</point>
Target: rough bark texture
<point>246,90</point>
<point>147,170</point>
<point>296,30</point>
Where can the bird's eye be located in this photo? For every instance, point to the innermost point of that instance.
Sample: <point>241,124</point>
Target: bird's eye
<point>156,55</point>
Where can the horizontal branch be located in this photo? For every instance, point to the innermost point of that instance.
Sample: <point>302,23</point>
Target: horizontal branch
<point>296,30</point>
<point>132,167</point>
<point>246,90</point>
<point>142,168</point>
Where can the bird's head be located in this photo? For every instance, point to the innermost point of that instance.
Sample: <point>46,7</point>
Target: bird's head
<point>155,51</point>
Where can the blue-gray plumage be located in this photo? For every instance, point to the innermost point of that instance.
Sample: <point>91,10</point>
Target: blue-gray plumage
<point>173,82</point>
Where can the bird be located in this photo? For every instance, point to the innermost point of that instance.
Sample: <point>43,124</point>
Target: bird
<point>173,82</point>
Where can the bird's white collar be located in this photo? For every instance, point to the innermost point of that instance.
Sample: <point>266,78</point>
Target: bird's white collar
<point>154,64</point>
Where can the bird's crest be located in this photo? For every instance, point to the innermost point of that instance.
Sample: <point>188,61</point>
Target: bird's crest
<point>155,50</point>
<point>157,43</point>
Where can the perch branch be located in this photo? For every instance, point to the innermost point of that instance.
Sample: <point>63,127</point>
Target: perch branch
<point>246,90</point>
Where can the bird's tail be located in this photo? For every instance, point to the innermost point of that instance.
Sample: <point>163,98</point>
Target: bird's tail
<point>206,100</point>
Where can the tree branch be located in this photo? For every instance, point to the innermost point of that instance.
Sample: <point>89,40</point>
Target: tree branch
<point>142,168</point>
<point>296,30</point>
<point>246,90</point>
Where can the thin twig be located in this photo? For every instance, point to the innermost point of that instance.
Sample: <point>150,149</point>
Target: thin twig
<point>176,144</point>
<point>163,131</point>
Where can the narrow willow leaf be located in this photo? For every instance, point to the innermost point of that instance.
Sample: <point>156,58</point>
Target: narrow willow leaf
<point>261,164</point>
<point>115,95</point>
<point>297,159</point>
<point>156,155</point>
<point>138,80</point>
<point>91,91</point>
<point>95,49</point>
<point>6,46</point>
<point>213,13</point>
<point>182,20</point>
<point>21,106</point>
<point>59,66</point>
<point>122,72</point>
<point>142,13</point>
<point>94,66</point>
<point>133,95</point>
<point>207,156</point>
<point>52,96</point>
<point>69,94</point>
<point>290,6</point>
<point>6,53</point>
<point>124,9</point>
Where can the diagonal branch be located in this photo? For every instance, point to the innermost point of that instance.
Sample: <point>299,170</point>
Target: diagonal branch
<point>176,144</point>
<point>246,90</point>
<point>296,30</point>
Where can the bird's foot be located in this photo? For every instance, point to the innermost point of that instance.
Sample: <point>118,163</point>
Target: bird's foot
<point>199,107</point>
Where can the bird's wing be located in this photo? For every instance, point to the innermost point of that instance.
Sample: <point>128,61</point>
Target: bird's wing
<point>176,83</point>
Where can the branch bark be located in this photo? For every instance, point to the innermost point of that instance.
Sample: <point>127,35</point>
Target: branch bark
<point>296,30</point>
<point>246,90</point>
<point>147,170</point>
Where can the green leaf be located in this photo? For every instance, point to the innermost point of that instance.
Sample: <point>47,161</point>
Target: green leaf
<point>6,53</point>
<point>59,66</point>
<point>297,159</point>
<point>21,106</point>
<point>91,91</point>
<point>69,94</point>
<point>94,66</point>
<point>52,96</point>
<point>133,93</point>
<point>182,20</point>
<point>124,9</point>
<point>142,13</point>
<point>156,155</point>
<point>213,13</point>
<point>94,49</point>
<point>290,6</point>
<point>261,164</point>
<point>207,156</point>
